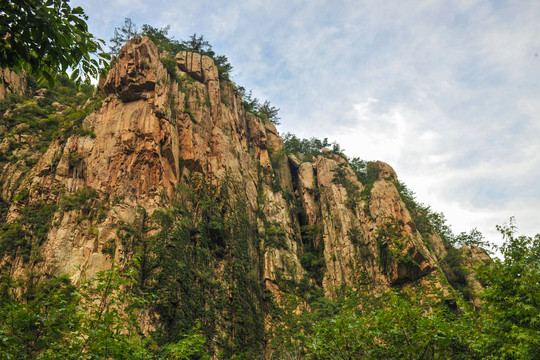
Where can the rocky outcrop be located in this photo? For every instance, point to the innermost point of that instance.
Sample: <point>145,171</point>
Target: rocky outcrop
<point>12,83</point>
<point>366,231</point>
<point>164,119</point>
<point>154,129</point>
<point>472,257</point>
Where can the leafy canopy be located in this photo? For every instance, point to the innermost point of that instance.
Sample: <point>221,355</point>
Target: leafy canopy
<point>512,298</point>
<point>308,148</point>
<point>264,110</point>
<point>52,319</point>
<point>48,37</point>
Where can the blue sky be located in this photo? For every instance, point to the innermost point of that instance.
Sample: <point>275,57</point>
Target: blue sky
<point>446,92</point>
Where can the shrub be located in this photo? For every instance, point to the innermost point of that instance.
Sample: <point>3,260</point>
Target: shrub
<point>79,200</point>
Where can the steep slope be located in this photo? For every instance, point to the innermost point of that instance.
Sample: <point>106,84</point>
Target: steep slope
<point>171,174</point>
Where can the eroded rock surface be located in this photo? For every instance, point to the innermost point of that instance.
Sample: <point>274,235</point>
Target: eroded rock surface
<point>12,83</point>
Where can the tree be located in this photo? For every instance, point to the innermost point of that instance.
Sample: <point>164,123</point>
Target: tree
<point>224,67</point>
<point>198,45</point>
<point>269,112</point>
<point>48,37</point>
<point>474,237</point>
<point>122,35</point>
<point>52,319</point>
<point>252,105</point>
<point>161,38</point>
<point>512,298</point>
<point>309,148</point>
<point>34,315</point>
<point>394,326</point>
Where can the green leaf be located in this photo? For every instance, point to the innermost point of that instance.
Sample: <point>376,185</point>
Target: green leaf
<point>75,74</point>
<point>48,77</point>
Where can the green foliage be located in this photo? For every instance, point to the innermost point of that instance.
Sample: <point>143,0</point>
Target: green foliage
<point>355,235</point>
<point>190,114</point>
<point>358,166</point>
<point>171,102</point>
<point>224,67</point>
<point>452,266</point>
<point>511,309</point>
<point>354,195</point>
<point>266,111</point>
<point>367,172</point>
<point>428,223</point>
<point>313,262</point>
<point>73,120</point>
<point>198,44</point>
<point>198,234</point>
<point>309,148</point>
<point>85,202</point>
<point>292,327</point>
<point>109,248</point>
<point>203,47</point>
<point>419,325</point>
<point>391,242</point>
<point>275,237</point>
<point>384,237</point>
<point>170,65</point>
<point>79,200</point>
<point>47,37</point>
<point>74,159</point>
<point>312,259</point>
<point>160,37</point>
<point>394,326</point>
<point>420,213</point>
<point>35,315</point>
<point>32,123</point>
<point>22,196</point>
<point>25,234</point>
<point>122,35</point>
<point>252,105</point>
<point>4,208</point>
<point>365,195</point>
<point>474,237</point>
<point>51,319</point>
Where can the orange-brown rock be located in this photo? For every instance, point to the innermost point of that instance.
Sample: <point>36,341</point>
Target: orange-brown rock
<point>12,83</point>
<point>471,257</point>
<point>385,171</point>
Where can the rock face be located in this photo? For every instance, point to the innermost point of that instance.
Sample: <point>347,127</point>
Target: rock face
<point>474,256</point>
<point>165,121</point>
<point>12,83</point>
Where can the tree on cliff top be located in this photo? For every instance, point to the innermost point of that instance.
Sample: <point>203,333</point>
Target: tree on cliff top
<point>164,42</point>
<point>48,37</point>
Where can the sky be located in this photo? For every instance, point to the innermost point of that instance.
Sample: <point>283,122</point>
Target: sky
<point>446,92</point>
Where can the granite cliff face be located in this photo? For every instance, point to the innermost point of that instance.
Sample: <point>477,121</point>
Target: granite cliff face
<point>166,124</point>
<point>12,83</point>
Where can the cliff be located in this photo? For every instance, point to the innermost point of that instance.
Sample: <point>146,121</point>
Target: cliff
<point>12,83</point>
<point>164,167</point>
